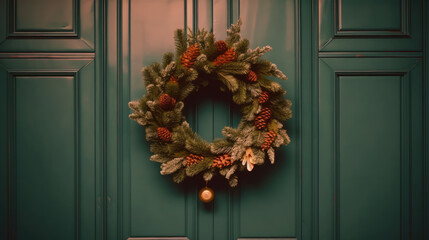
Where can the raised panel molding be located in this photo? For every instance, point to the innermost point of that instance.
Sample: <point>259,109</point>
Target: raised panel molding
<point>400,32</point>
<point>24,30</point>
<point>407,72</point>
<point>32,119</point>
<point>72,131</point>
<point>342,215</point>
<point>60,19</point>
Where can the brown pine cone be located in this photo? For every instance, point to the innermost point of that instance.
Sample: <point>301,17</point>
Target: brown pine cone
<point>166,102</point>
<point>173,79</point>
<point>263,97</point>
<point>192,159</point>
<point>189,56</point>
<point>261,120</point>
<point>164,134</point>
<point>252,77</point>
<point>269,138</point>
<point>222,161</point>
<point>221,46</point>
<point>226,57</point>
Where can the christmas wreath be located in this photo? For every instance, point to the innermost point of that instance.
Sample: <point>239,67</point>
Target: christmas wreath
<point>198,62</point>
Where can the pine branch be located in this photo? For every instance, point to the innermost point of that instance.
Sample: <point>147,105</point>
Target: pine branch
<point>159,158</point>
<point>191,37</point>
<point>233,181</point>
<point>269,84</point>
<point>262,66</point>
<point>179,176</point>
<point>208,175</point>
<point>281,110</point>
<point>199,167</point>
<point>242,46</point>
<point>197,145</point>
<point>233,33</point>
<point>230,81</point>
<point>275,72</point>
<point>271,155</point>
<point>167,59</point>
<point>180,42</point>
<point>221,146</point>
<point>240,95</point>
<point>171,166</point>
<point>251,56</point>
<point>231,68</point>
<point>147,77</point>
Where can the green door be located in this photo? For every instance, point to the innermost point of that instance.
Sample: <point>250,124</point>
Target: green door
<point>370,120</point>
<point>264,205</point>
<point>74,166</point>
<point>50,179</point>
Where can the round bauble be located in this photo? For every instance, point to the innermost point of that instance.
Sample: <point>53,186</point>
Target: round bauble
<point>206,195</point>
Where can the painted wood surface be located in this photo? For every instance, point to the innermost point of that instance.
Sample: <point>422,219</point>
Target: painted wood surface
<point>50,136</point>
<point>73,166</point>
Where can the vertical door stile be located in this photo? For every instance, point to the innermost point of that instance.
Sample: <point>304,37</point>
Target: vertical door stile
<point>221,118</point>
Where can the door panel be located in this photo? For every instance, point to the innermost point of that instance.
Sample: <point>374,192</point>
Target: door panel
<point>370,18</point>
<point>363,191</point>
<point>150,192</point>
<point>50,135</point>
<point>387,25</point>
<point>38,129</point>
<point>268,196</point>
<point>265,204</point>
<point>370,132</point>
<point>48,26</point>
<point>38,18</point>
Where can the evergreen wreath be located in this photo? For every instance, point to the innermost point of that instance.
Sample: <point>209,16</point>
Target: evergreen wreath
<point>199,60</point>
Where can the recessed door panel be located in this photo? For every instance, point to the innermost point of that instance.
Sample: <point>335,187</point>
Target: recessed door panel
<point>45,162</point>
<point>51,159</point>
<point>47,26</point>
<point>28,17</point>
<point>158,207</point>
<point>369,156</point>
<point>350,25</point>
<point>369,138</point>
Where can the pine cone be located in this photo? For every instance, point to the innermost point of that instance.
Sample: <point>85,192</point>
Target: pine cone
<point>227,57</point>
<point>173,79</point>
<point>263,97</point>
<point>192,159</point>
<point>252,77</point>
<point>221,46</point>
<point>269,138</point>
<point>222,161</point>
<point>164,134</point>
<point>261,120</point>
<point>166,102</point>
<point>189,56</point>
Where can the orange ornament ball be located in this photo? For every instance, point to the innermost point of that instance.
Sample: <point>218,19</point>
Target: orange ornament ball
<point>206,195</point>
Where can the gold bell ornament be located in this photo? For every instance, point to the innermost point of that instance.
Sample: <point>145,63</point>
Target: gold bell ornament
<point>206,194</point>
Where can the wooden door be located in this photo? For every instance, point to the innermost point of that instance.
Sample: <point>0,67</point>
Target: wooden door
<point>50,141</point>
<point>370,128</point>
<point>265,205</point>
<point>73,166</point>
